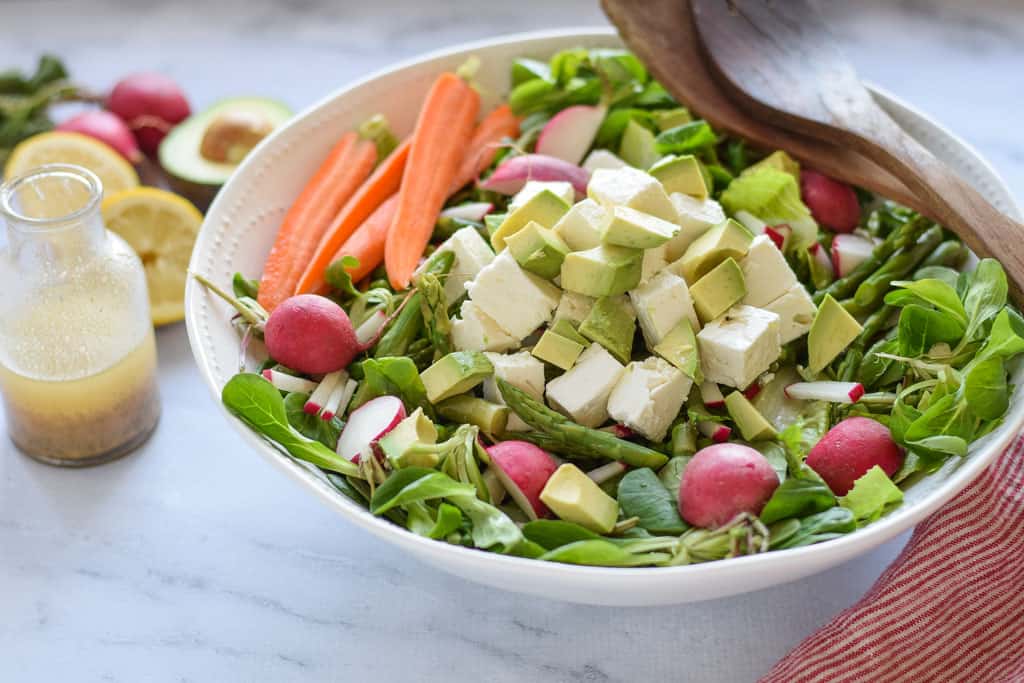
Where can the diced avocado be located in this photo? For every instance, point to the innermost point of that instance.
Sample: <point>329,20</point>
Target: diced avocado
<point>728,239</point>
<point>538,249</point>
<point>778,160</point>
<point>491,418</point>
<point>681,174</point>
<point>671,118</point>
<point>752,424</point>
<point>574,497</point>
<point>545,208</point>
<point>455,373</point>
<point>564,327</point>
<point>679,347</point>
<point>398,443</point>
<point>720,289</point>
<point>831,332</point>
<point>612,324</point>
<point>605,270</point>
<point>637,147</point>
<point>557,350</point>
<point>627,227</point>
<point>492,222</point>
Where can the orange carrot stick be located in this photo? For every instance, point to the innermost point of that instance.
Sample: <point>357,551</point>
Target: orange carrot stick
<point>439,143</point>
<point>501,123</point>
<point>367,242</point>
<point>383,183</point>
<point>346,167</point>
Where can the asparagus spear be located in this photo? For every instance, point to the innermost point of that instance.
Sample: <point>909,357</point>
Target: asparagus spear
<point>434,308</point>
<point>409,323</point>
<point>871,292</point>
<point>575,438</point>
<point>950,253</point>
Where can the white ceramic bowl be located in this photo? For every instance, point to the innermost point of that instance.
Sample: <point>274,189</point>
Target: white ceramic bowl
<point>240,228</point>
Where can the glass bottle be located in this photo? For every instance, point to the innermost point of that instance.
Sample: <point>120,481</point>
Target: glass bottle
<point>77,353</point>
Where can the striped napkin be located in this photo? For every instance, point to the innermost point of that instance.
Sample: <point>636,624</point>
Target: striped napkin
<point>950,608</point>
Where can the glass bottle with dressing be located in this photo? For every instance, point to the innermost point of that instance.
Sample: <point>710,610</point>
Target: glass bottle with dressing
<point>77,353</point>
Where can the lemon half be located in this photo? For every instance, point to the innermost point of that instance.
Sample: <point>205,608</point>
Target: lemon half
<point>60,147</point>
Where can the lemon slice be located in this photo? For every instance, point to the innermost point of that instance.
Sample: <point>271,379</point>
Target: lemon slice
<point>161,227</point>
<point>59,147</point>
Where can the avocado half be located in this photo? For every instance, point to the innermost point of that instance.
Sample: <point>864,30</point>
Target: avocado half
<point>190,173</point>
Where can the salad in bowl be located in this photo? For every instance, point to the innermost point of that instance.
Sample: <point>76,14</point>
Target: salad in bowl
<point>584,327</point>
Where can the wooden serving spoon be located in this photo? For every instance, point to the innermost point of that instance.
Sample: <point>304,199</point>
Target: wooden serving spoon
<point>663,34</point>
<point>778,61</point>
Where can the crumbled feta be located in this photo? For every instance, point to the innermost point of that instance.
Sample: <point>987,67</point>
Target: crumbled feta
<point>660,304</point>
<point>471,252</point>
<point>739,346</point>
<point>602,158</point>
<point>654,261</point>
<point>522,371</point>
<point>580,227</point>
<point>574,306</point>
<point>695,217</point>
<point>632,188</point>
<point>582,392</point>
<point>477,331</point>
<point>796,312</point>
<point>765,272</point>
<point>560,188</point>
<point>648,397</point>
<point>517,300</point>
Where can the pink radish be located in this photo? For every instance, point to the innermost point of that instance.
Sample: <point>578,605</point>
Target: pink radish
<point>850,449</point>
<point>849,251</point>
<point>832,203</point>
<point>752,391</point>
<point>821,257</point>
<point>151,104</point>
<point>834,392</point>
<point>338,400</point>
<point>778,234</point>
<point>723,481</point>
<point>570,132</point>
<point>711,395</point>
<point>606,472</point>
<point>495,489</point>
<point>513,173</point>
<point>367,424</point>
<point>716,431</point>
<point>105,127</point>
<point>523,469</point>
<point>470,211</point>
<point>317,399</point>
<point>282,381</point>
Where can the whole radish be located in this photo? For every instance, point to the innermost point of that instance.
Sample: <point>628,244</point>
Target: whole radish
<point>311,334</point>
<point>105,127</point>
<point>151,104</point>
<point>723,481</point>
<point>832,203</point>
<point>850,449</point>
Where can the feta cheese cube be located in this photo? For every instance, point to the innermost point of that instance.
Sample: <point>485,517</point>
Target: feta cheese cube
<point>522,371</point>
<point>739,346</point>
<point>471,252</point>
<point>574,306</point>
<point>580,227</point>
<point>602,158</point>
<point>518,301</point>
<point>631,187</point>
<point>654,261</point>
<point>560,188</point>
<point>582,392</point>
<point>695,217</point>
<point>477,331</point>
<point>796,312</point>
<point>765,272</point>
<point>648,397</point>
<point>660,304</point>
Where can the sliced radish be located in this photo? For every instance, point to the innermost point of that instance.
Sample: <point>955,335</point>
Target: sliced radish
<point>513,173</point>
<point>282,381</point>
<point>752,222</point>
<point>752,391</point>
<point>821,257</point>
<point>570,132</point>
<point>368,423</point>
<point>338,400</point>
<point>711,395</point>
<point>318,399</point>
<point>523,469</point>
<point>716,431</point>
<point>606,472</point>
<point>778,234</point>
<point>370,327</point>
<point>834,392</point>
<point>470,211</point>
<point>620,430</point>
<point>849,251</point>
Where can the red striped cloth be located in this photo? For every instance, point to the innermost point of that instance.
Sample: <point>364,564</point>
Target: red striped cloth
<point>950,608</point>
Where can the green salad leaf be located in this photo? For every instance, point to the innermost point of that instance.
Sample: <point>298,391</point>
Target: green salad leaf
<point>642,495</point>
<point>311,426</point>
<point>871,494</point>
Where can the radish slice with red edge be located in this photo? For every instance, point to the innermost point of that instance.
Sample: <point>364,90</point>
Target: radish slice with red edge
<point>833,392</point>
<point>778,234</point>
<point>716,431</point>
<point>513,173</point>
<point>821,257</point>
<point>320,395</point>
<point>338,400</point>
<point>570,133</point>
<point>470,211</point>
<point>282,381</point>
<point>369,328</point>
<point>523,469</point>
<point>752,391</point>
<point>368,423</point>
<point>711,395</point>
<point>849,251</point>
<point>751,222</point>
<point>606,472</point>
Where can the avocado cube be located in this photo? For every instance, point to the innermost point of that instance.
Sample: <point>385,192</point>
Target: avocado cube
<point>612,324</point>
<point>565,328</point>
<point>696,217</point>
<point>491,418</point>
<point>414,429</point>
<point>545,208</point>
<point>628,227</point>
<point>605,270</point>
<point>719,290</point>
<point>752,424</point>
<point>778,160</point>
<point>671,118</point>
<point>538,249</point>
<point>574,497</point>
<point>681,174</point>
<point>456,373</point>
<point>637,147</point>
<point>561,189</point>
<point>728,239</point>
<point>557,350</point>
<point>679,347</point>
<point>831,332</point>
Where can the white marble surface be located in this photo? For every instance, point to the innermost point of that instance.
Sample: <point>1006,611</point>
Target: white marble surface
<point>193,560</point>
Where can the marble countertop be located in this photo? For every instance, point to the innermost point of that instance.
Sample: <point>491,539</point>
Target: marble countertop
<point>194,560</point>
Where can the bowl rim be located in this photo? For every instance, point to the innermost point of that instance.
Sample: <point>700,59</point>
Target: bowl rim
<point>845,547</point>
